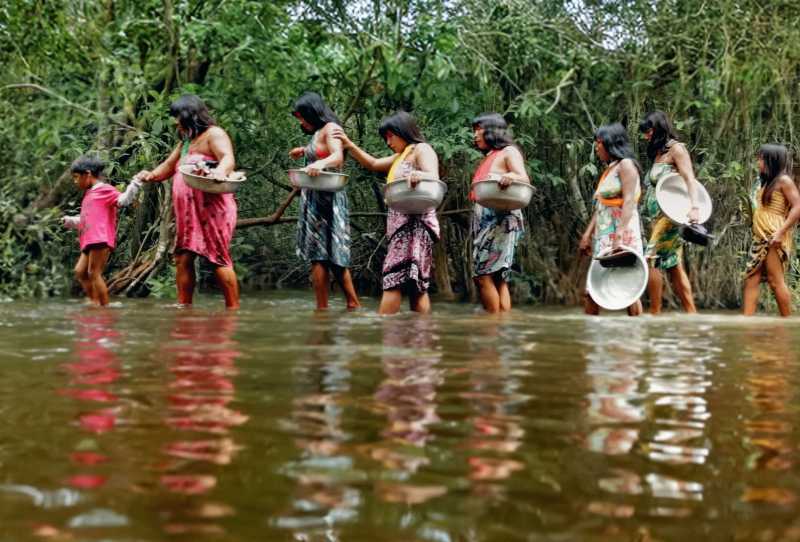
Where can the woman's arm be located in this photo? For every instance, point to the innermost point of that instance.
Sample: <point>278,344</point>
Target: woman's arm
<point>425,159</point>
<point>380,165</point>
<point>334,144</point>
<point>792,196</point>
<point>163,170</point>
<point>515,167</point>
<point>683,163</point>
<point>585,245</point>
<point>629,176</point>
<point>222,149</point>
<point>426,164</point>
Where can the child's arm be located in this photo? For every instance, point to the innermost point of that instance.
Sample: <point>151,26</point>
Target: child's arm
<point>71,222</point>
<point>127,197</point>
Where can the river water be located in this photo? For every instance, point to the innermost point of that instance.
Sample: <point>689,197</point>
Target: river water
<point>147,422</point>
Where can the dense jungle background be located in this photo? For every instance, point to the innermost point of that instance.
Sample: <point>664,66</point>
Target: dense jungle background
<point>98,75</point>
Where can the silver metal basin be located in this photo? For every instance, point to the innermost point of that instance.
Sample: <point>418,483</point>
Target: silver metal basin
<point>326,181</point>
<point>427,195</point>
<point>673,198</point>
<point>617,288</point>
<point>489,194</point>
<point>209,185</point>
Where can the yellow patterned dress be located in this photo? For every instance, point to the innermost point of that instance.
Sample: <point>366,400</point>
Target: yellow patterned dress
<point>665,246</point>
<point>767,219</point>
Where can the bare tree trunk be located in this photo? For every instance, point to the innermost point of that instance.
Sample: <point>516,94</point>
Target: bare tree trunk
<point>131,280</point>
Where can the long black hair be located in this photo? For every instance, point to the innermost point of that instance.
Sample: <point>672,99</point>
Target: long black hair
<point>496,132</point>
<point>776,163</point>
<point>312,108</point>
<point>663,132</point>
<point>88,164</point>
<point>192,114</point>
<point>403,125</point>
<point>615,140</point>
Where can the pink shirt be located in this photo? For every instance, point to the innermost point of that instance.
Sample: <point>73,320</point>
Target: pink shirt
<point>98,220</point>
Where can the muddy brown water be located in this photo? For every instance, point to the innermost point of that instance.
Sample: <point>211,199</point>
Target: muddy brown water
<point>146,422</point>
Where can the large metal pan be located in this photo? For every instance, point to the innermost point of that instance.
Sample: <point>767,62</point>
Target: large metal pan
<point>673,199</point>
<point>617,288</point>
<point>427,195</point>
<point>489,194</point>
<point>326,181</point>
<point>207,184</point>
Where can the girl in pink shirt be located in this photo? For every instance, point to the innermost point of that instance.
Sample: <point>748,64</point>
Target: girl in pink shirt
<point>97,224</point>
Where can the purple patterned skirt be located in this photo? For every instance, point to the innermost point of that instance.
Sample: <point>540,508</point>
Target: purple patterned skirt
<point>410,254</point>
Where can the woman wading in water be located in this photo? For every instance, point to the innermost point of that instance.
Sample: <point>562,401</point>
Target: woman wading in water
<point>323,226</point>
<point>407,267</point>
<point>204,222</point>
<point>776,208</point>
<point>665,247</point>
<point>495,234</point>
<point>616,218</point>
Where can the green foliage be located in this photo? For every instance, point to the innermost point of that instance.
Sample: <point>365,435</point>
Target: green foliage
<point>32,261</point>
<point>100,75</point>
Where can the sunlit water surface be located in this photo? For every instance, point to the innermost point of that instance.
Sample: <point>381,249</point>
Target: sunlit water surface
<point>147,422</point>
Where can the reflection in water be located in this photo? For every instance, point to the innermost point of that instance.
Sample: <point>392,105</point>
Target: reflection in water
<point>769,419</point>
<point>407,397</point>
<point>92,375</point>
<point>496,429</point>
<point>648,399</point>
<point>447,428</point>
<point>202,362</point>
<point>324,497</point>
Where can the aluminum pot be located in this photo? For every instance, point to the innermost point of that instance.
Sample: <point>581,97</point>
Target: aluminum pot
<point>326,181</point>
<point>427,195</point>
<point>207,184</point>
<point>489,194</point>
<point>673,199</point>
<point>617,288</point>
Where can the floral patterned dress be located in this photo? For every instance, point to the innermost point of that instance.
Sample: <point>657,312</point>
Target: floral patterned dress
<point>323,226</point>
<point>495,234</point>
<point>409,256</point>
<point>608,206</point>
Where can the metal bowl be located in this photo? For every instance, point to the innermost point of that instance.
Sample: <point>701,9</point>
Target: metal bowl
<point>427,195</point>
<point>489,194</point>
<point>206,184</point>
<point>673,199</point>
<point>617,288</point>
<point>326,181</point>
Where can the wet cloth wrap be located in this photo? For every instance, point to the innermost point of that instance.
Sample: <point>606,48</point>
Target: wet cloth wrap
<point>409,256</point>
<point>323,226</point>
<point>767,219</point>
<point>495,234</point>
<point>665,247</point>
<point>204,222</point>
<point>608,206</point>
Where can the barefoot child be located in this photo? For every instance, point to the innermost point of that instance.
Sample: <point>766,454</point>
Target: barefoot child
<point>97,224</point>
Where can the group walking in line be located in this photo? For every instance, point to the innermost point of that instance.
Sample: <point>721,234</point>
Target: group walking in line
<point>205,222</point>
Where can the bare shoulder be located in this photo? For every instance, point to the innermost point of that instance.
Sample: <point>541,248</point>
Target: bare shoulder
<point>628,166</point>
<point>512,151</point>
<point>424,148</point>
<point>785,181</point>
<point>215,134</point>
<point>329,128</point>
<point>679,150</point>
